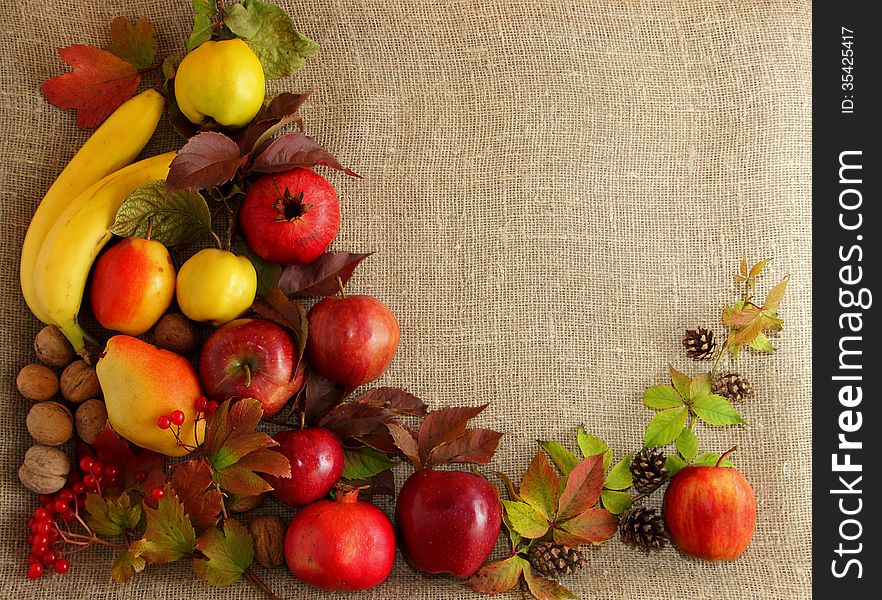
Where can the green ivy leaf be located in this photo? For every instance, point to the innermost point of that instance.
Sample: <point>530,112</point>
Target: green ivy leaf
<point>687,444</point>
<point>660,397</point>
<point>180,217</point>
<point>716,410</point>
<point>203,22</point>
<point>700,386</point>
<point>560,456</point>
<point>761,343</point>
<point>615,502</point>
<point>591,445</point>
<point>525,519</point>
<point>227,554</point>
<point>673,464</point>
<point>269,32</point>
<point>360,464</point>
<point>619,477</point>
<point>709,459</point>
<point>169,534</point>
<point>112,516</point>
<point>125,566</point>
<point>681,382</point>
<point>665,427</point>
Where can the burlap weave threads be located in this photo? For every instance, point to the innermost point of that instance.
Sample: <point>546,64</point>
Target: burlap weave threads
<point>535,175</point>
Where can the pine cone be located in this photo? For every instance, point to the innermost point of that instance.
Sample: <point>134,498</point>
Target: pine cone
<point>648,470</point>
<point>700,343</point>
<point>733,386</point>
<point>553,560</point>
<point>644,528</point>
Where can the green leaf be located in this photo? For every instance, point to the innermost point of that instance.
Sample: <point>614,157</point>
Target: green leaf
<point>615,502</point>
<point>716,410</point>
<point>180,217</point>
<point>674,463</point>
<point>169,534</point>
<point>761,343</point>
<point>699,386</point>
<point>133,42</point>
<point>268,274</point>
<point>709,459</point>
<point>227,554</point>
<point>525,519</point>
<point>560,456</point>
<point>540,486</point>
<point>591,445</point>
<point>545,589</point>
<point>513,535</point>
<point>112,516</point>
<point>497,577</point>
<point>681,381</point>
<point>660,397</point>
<point>619,477</point>
<point>125,566</point>
<point>360,464</point>
<point>665,427</point>
<point>203,22</point>
<point>687,444</point>
<point>269,32</point>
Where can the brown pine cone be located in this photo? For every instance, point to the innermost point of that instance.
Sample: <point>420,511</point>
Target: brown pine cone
<point>700,343</point>
<point>643,528</point>
<point>554,560</point>
<point>732,386</point>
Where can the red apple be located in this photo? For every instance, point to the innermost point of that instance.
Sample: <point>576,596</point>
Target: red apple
<point>290,217</point>
<point>316,457</point>
<point>710,512</point>
<point>250,358</point>
<point>448,521</point>
<point>352,339</point>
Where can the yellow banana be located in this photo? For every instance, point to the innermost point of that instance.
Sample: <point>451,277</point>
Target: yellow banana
<point>70,247</point>
<point>114,144</point>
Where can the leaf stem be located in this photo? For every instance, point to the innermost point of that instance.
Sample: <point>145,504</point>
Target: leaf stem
<point>257,582</point>
<point>223,504</point>
<point>220,244</point>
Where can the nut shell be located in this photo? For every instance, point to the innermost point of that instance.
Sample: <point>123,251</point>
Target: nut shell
<point>44,470</point>
<point>79,382</point>
<point>90,419</point>
<point>52,348</point>
<point>36,382</point>
<point>177,333</point>
<point>50,423</point>
<point>268,532</point>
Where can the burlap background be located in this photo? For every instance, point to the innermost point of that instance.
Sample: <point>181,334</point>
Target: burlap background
<point>555,190</point>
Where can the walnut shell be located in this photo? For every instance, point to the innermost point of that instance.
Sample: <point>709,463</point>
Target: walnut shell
<point>44,470</point>
<point>50,423</point>
<point>79,382</point>
<point>268,532</point>
<point>91,418</point>
<point>177,333</point>
<point>52,348</point>
<point>36,382</point>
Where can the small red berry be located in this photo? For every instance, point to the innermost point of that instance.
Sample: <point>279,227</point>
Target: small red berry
<point>44,498</point>
<point>66,494</point>
<point>112,480</point>
<point>31,538</point>
<point>97,469</point>
<point>212,406</point>
<point>49,558</point>
<point>39,550</point>
<point>68,515</point>
<point>157,493</point>
<point>41,540</point>
<point>35,570</point>
<point>43,527</point>
<point>163,422</point>
<point>33,559</point>
<point>53,535</point>
<point>62,566</point>
<point>201,403</point>
<point>111,471</point>
<point>86,464</point>
<point>79,489</point>
<point>60,506</point>
<point>140,476</point>
<point>177,417</point>
<point>89,481</point>
<point>41,514</point>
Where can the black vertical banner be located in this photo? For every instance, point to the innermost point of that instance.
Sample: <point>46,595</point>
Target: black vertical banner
<point>847,372</point>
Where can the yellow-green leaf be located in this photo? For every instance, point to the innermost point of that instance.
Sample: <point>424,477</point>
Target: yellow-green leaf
<point>709,459</point>
<point>681,382</point>
<point>660,397</point>
<point>497,577</point>
<point>619,477</point>
<point>546,589</point>
<point>756,269</point>
<point>540,487</point>
<point>615,502</point>
<point>169,534</point>
<point>525,519</point>
<point>665,427</point>
<point>776,294</point>
<point>112,516</point>
<point>687,444</point>
<point>761,343</point>
<point>674,463</point>
<point>227,554</point>
<point>125,566</point>
<point>560,456</point>
<point>700,386</point>
<point>591,445</point>
<point>716,410</point>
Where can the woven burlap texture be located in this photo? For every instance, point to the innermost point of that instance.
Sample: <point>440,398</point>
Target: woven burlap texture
<point>554,190</point>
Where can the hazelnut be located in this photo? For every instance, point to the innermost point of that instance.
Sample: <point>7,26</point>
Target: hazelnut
<point>91,418</point>
<point>79,382</point>
<point>36,382</point>
<point>268,532</point>
<point>177,333</point>
<point>52,347</point>
<point>44,470</point>
<point>50,423</point>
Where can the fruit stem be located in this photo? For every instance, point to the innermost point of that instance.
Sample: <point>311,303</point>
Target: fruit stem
<point>725,454</point>
<point>340,287</point>
<point>220,244</point>
<point>257,582</point>
<point>346,494</point>
<point>247,375</point>
<point>149,228</point>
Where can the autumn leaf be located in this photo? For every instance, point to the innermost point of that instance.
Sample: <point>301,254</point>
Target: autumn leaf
<point>293,150</point>
<point>562,458</point>
<point>112,516</point>
<point>525,519</point>
<point>546,589</point>
<point>351,420</point>
<point>591,526</point>
<point>227,554</point>
<point>192,483</point>
<point>125,566</point>
<point>321,396</point>
<point>775,295</point>
<point>133,42</point>
<point>405,441</point>
<point>540,486</point>
<point>169,534</point>
<point>319,278</point>
<point>99,84</point>
<point>444,425</point>
<point>360,464</point>
<point>289,314</point>
<point>280,111</point>
<point>207,160</point>
<point>582,488</point>
<point>497,577</point>
<point>473,446</point>
<point>395,400</point>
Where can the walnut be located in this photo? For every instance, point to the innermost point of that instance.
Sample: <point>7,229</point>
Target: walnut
<point>52,347</point>
<point>177,333</point>
<point>36,382</point>
<point>50,423</point>
<point>79,382</point>
<point>268,532</point>
<point>44,470</point>
<point>91,418</point>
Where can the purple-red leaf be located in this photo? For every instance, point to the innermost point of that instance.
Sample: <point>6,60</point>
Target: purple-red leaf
<point>191,481</point>
<point>295,150</point>
<point>497,577</point>
<point>591,526</point>
<point>319,278</point>
<point>287,313</point>
<point>405,442</point>
<point>207,160</point>
<point>321,396</point>
<point>444,425</point>
<point>582,489</point>
<point>383,484</point>
<point>473,446</point>
<point>282,107</point>
<point>351,420</point>
<point>540,487</point>
<point>394,400</point>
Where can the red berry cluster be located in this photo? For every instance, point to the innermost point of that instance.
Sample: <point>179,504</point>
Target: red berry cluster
<point>44,534</point>
<point>176,417</point>
<point>206,406</point>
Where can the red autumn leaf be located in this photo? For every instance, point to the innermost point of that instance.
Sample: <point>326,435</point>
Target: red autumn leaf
<point>473,446</point>
<point>383,484</point>
<point>98,85</point>
<point>395,400</point>
<point>207,160</point>
<point>279,308</point>
<point>405,442</point>
<point>295,150</point>
<point>591,526</point>
<point>444,425</point>
<point>540,487</point>
<point>319,278</point>
<point>133,42</point>
<point>281,107</point>
<point>321,396</point>
<point>191,481</point>
<point>379,439</point>
<point>351,420</point>
<point>582,489</point>
<point>496,577</point>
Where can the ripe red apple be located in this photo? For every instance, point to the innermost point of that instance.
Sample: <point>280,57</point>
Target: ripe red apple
<point>352,339</point>
<point>710,512</point>
<point>448,521</point>
<point>341,545</point>
<point>250,358</point>
<point>132,286</point>
<point>316,457</point>
<point>290,217</point>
